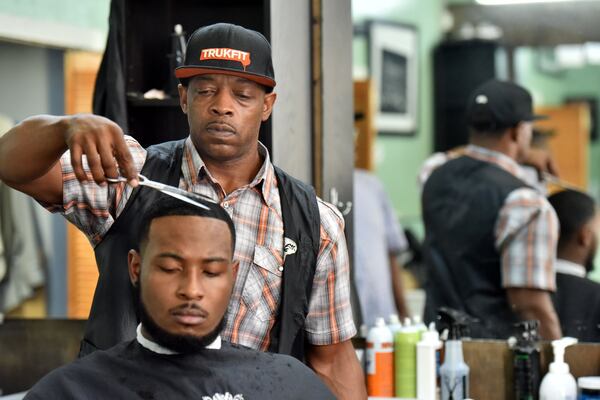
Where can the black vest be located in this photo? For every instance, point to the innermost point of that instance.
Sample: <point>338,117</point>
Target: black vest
<point>113,317</point>
<point>461,202</point>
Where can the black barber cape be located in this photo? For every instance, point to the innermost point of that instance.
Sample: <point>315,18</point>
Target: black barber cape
<point>130,371</point>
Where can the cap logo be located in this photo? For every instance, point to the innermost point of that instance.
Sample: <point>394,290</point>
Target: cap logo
<point>242,57</point>
<point>481,99</point>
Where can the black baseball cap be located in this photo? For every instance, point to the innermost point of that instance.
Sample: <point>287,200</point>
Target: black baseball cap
<point>499,104</point>
<point>231,50</point>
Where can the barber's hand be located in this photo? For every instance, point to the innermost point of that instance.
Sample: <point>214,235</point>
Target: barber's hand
<point>102,142</point>
<point>541,160</point>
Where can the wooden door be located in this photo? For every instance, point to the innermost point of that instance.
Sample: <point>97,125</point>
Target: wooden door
<point>82,274</point>
<point>364,115</point>
<point>569,140</point>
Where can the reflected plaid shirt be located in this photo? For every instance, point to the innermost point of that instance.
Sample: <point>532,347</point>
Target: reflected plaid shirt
<point>256,212</point>
<point>526,230</point>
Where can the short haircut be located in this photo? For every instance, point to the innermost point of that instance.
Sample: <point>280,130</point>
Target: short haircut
<point>166,206</point>
<point>574,209</point>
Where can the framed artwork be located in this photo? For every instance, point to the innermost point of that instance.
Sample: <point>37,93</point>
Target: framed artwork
<point>393,66</point>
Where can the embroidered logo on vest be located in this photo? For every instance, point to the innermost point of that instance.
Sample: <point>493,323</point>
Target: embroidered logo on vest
<point>226,396</point>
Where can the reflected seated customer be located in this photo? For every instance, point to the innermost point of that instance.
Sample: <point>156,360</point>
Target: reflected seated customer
<point>577,298</point>
<point>183,274</point>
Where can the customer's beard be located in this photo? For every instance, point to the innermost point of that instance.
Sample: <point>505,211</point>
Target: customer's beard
<point>185,344</point>
<point>589,265</point>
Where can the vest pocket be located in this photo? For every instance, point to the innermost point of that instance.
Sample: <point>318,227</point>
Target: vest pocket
<point>263,285</point>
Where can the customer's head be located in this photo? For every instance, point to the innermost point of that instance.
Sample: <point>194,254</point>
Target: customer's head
<point>579,226</point>
<point>184,273</point>
<point>502,112</point>
<point>226,90</point>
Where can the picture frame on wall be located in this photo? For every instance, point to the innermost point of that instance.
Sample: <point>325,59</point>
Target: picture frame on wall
<point>393,66</point>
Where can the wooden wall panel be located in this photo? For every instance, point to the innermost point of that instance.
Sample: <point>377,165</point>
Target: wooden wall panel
<point>82,274</point>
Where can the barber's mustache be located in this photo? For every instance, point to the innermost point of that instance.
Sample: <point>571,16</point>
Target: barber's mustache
<point>189,308</point>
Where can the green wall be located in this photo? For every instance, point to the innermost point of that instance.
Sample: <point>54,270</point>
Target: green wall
<point>79,13</point>
<point>400,158</point>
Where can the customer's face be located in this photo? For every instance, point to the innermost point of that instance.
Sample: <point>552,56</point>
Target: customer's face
<point>224,114</point>
<point>594,227</point>
<point>185,274</point>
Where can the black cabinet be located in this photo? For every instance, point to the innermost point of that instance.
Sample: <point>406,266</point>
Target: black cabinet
<point>148,26</point>
<point>459,68</point>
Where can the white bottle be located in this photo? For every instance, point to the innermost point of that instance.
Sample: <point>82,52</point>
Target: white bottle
<point>558,383</point>
<point>380,360</point>
<point>418,323</point>
<point>394,324</point>
<point>426,363</point>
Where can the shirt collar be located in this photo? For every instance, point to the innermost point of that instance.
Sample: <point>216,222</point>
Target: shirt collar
<point>194,170</point>
<point>157,348</point>
<point>570,268</point>
<point>495,157</point>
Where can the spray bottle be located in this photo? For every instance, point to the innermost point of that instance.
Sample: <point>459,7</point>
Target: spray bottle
<point>454,373</point>
<point>176,57</point>
<point>405,360</point>
<point>380,360</point>
<point>526,360</point>
<point>558,383</point>
<point>427,349</point>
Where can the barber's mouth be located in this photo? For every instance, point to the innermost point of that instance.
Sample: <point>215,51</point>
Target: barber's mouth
<point>220,129</point>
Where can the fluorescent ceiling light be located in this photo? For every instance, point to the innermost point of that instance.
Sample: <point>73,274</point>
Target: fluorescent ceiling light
<point>511,2</point>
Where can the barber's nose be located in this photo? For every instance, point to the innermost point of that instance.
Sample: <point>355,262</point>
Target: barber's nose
<point>191,286</point>
<point>222,104</point>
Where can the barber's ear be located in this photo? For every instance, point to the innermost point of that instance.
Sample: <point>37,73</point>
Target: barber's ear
<point>514,133</point>
<point>183,98</point>
<point>134,262</point>
<point>235,266</point>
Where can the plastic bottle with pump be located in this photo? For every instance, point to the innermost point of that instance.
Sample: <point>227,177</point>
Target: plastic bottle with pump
<point>526,360</point>
<point>427,363</point>
<point>380,360</point>
<point>454,373</point>
<point>558,383</point>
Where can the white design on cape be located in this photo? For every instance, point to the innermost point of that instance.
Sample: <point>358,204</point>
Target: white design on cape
<point>226,396</point>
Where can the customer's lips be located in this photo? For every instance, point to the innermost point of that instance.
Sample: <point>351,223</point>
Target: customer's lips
<point>189,316</point>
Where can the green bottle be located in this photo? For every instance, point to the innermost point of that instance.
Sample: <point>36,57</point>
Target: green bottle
<point>405,360</point>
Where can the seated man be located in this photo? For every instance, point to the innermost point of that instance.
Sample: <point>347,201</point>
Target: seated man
<point>577,298</point>
<point>183,275</point>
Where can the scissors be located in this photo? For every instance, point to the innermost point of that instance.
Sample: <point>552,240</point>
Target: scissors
<point>168,190</point>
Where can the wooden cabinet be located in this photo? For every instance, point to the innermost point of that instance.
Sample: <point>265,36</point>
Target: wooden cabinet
<point>147,32</point>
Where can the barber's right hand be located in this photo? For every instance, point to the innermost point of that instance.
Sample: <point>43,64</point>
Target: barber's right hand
<point>102,142</point>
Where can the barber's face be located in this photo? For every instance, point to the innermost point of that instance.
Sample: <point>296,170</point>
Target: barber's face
<point>524,136</point>
<point>186,274</point>
<point>224,114</point>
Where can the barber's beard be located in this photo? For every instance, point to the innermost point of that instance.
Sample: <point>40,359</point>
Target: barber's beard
<point>184,344</point>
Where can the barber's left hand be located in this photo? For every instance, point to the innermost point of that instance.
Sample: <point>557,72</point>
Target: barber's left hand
<point>542,160</point>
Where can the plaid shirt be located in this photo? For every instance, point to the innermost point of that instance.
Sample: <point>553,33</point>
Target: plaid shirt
<point>256,213</point>
<point>526,230</point>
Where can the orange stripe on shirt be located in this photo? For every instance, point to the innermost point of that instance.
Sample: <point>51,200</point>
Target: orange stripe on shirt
<point>332,319</point>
